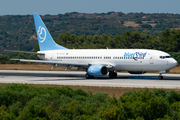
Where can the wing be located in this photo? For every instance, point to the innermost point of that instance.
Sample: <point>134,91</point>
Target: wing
<point>54,62</point>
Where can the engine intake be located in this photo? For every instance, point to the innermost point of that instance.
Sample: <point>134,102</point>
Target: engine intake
<point>97,70</point>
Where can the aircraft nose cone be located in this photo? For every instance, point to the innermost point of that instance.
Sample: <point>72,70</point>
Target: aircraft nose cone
<point>173,63</point>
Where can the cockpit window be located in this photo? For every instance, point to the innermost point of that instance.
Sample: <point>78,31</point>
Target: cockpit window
<point>163,57</point>
<point>168,57</point>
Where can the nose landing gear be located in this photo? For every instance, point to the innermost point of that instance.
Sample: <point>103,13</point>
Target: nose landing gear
<point>160,76</point>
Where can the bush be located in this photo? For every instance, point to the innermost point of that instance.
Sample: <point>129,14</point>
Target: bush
<point>28,102</point>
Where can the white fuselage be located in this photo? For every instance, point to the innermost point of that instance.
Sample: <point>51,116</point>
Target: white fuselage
<point>121,59</point>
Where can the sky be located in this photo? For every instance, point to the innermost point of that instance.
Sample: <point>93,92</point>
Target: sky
<point>54,7</point>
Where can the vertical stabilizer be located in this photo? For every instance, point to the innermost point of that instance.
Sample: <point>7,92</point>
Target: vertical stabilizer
<point>45,40</point>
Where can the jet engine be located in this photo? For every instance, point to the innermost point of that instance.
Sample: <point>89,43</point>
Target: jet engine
<point>97,70</point>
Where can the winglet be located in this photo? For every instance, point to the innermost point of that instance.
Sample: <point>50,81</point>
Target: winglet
<point>45,40</point>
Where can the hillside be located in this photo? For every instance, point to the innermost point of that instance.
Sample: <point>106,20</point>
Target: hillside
<point>18,31</point>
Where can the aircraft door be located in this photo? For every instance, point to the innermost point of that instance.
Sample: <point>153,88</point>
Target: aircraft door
<point>102,58</point>
<point>53,55</point>
<point>151,60</point>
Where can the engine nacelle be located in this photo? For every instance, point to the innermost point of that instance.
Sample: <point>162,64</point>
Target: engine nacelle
<point>97,70</point>
<point>136,72</point>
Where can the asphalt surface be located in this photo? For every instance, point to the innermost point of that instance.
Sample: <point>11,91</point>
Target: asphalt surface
<point>149,80</point>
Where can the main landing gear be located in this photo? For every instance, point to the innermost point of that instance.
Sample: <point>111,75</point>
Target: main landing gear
<point>89,76</point>
<point>112,74</point>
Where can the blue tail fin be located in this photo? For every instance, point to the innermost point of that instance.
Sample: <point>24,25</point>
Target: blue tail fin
<point>45,40</point>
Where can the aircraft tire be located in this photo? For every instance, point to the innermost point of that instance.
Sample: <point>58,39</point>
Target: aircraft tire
<point>112,74</point>
<point>115,75</point>
<point>89,76</point>
<point>161,77</point>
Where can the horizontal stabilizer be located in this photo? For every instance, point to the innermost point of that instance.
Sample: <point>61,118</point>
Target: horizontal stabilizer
<point>24,52</point>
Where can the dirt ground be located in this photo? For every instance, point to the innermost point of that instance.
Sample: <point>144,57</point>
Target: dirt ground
<point>175,70</point>
<point>111,91</point>
<point>130,23</point>
<point>133,24</point>
<point>42,67</point>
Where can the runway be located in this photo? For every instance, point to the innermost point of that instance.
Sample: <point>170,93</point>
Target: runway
<point>149,80</point>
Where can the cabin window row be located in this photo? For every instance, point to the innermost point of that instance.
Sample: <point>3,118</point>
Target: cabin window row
<point>83,57</point>
<point>128,57</point>
<point>86,57</point>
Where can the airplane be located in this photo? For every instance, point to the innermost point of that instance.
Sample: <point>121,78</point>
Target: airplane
<point>98,62</point>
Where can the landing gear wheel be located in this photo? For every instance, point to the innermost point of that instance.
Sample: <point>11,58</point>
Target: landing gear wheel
<point>115,75</point>
<point>89,76</point>
<point>112,74</point>
<point>160,77</point>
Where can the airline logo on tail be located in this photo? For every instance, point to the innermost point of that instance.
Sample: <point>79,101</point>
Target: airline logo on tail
<point>41,33</point>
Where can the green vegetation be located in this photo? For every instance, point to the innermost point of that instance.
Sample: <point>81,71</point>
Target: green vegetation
<point>18,32</point>
<point>5,59</point>
<point>168,41</point>
<point>98,30</point>
<point>24,102</point>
